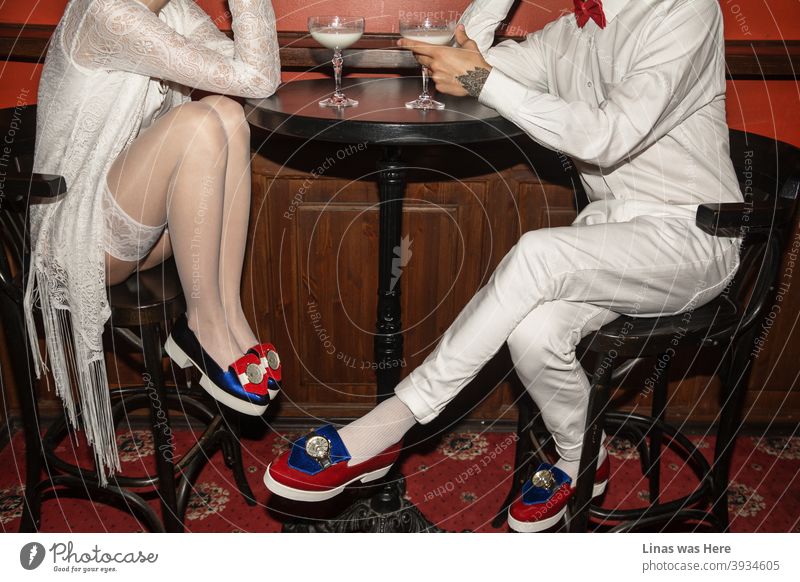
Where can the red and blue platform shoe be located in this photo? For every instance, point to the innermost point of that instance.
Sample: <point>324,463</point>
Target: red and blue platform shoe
<point>545,496</point>
<point>248,384</point>
<point>315,468</point>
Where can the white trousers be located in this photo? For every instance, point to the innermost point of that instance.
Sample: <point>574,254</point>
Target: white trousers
<point>557,285</point>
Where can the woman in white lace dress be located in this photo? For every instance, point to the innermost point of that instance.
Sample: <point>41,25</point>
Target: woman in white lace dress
<point>150,174</point>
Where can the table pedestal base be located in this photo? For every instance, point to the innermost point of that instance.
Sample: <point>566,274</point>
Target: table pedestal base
<point>387,511</point>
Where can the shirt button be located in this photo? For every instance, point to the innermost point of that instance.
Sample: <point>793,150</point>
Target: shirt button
<point>589,84</point>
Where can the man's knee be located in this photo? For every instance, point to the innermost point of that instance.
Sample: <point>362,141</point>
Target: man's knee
<point>544,334</point>
<point>534,258</point>
<point>534,245</point>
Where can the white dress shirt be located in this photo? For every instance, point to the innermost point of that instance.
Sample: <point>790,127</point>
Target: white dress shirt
<point>638,105</point>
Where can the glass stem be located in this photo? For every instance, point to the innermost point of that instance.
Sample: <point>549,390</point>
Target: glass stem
<point>337,71</point>
<point>425,74</point>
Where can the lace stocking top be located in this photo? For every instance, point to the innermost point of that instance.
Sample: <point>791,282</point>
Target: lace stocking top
<point>112,68</point>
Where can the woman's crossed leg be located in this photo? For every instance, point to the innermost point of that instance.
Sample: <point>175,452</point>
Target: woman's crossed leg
<point>190,171</point>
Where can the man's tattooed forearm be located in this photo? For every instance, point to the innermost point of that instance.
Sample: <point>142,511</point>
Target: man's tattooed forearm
<point>474,80</point>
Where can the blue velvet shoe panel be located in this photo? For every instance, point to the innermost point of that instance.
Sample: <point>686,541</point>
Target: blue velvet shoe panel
<point>226,380</point>
<point>536,495</point>
<point>299,459</point>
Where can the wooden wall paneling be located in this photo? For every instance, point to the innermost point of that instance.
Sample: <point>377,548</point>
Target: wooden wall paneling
<point>450,222</point>
<point>328,268</point>
<point>489,208</point>
<point>528,204</point>
<point>257,282</point>
<point>693,394</point>
<point>333,290</point>
<point>326,251</point>
<point>773,388</point>
<point>492,395</point>
<point>459,230</point>
<point>694,388</point>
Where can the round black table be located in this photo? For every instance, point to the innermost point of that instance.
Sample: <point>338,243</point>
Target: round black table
<point>382,119</point>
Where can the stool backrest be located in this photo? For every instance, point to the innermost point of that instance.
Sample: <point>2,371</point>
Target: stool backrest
<point>768,171</point>
<point>18,134</point>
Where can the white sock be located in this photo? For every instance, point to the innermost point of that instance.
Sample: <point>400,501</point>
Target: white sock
<point>571,467</point>
<point>377,430</point>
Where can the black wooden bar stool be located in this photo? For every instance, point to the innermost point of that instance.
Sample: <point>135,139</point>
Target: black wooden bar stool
<point>141,308</point>
<point>769,173</point>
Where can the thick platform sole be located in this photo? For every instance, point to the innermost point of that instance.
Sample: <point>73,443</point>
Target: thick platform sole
<point>535,526</point>
<point>302,495</point>
<point>543,524</point>
<point>183,360</point>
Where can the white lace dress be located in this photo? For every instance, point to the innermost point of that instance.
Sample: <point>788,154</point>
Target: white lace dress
<point>112,68</point>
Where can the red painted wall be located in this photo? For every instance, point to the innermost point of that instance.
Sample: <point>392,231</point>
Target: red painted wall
<point>768,108</point>
<point>763,19</point>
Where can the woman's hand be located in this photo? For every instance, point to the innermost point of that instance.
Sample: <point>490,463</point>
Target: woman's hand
<point>458,71</point>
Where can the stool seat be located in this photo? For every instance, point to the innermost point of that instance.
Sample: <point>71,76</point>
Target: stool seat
<point>636,337</point>
<point>147,297</point>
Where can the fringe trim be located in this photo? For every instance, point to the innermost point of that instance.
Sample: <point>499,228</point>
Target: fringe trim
<point>70,359</point>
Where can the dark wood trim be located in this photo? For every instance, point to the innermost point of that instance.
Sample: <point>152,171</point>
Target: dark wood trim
<point>760,59</point>
<point>763,59</point>
<point>24,43</point>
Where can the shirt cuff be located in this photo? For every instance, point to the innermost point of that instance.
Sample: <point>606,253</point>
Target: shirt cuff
<point>502,93</point>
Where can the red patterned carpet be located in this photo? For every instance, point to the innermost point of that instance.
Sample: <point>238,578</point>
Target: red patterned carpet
<point>458,483</point>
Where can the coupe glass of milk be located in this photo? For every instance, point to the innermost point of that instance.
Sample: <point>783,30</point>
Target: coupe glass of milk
<point>336,33</point>
<point>432,31</point>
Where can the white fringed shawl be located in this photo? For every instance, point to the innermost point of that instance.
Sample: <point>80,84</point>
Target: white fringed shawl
<point>101,85</point>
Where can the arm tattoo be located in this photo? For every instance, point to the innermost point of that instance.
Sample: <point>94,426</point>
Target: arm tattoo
<point>474,80</point>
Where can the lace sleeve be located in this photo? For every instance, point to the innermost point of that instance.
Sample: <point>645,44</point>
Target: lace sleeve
<point>204,31</point>
<point>124,35</point>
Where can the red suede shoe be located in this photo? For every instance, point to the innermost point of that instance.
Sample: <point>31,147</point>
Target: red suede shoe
<point>315,468</point>
<point>545,496</point>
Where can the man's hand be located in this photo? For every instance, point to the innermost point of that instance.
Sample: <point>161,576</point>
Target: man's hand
<point>458,71</point>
